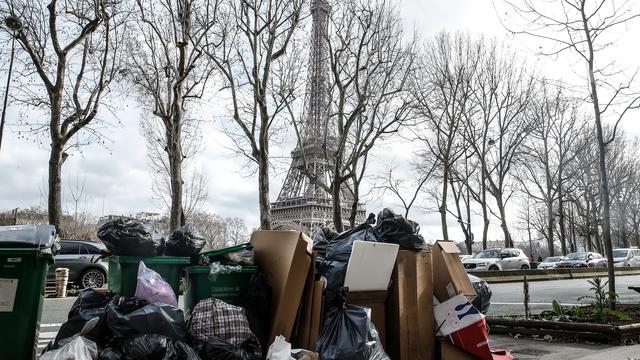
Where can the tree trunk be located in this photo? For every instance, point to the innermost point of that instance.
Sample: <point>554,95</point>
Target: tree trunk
<point>337,208</point>
<point>604,182</point>
<point>263,192</point>
<point>175,169</point>
<point>563,235</point>
<point>503,223</point>
<point>54,205</point>
<point>354,206</point>
<point>443,204</point>
<point>485,213</point>
<point>550,225</point>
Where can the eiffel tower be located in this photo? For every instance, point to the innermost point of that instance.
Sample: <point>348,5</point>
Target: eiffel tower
<point>301,200</point>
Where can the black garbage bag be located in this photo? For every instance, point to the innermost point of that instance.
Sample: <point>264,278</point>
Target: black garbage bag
<point>184,241</point>
<point>185,352</point>
<point>218,349</point>
<point>395,229</point>
<point>483,300</point>
<point>335,273</point>
<point>128,237</point>
<point>321,237</point>
<point>149,347</point>
<point>257,303</point>
<point>340,248</point>
<point>128,304</point>
<point>110,354</point>
<point>161,319</point>
<point>345,330</point>
<point>89,304</point>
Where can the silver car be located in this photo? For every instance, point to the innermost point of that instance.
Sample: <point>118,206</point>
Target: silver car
<point>498,259</point>
<point>550,262</point>
<point>626,257</point>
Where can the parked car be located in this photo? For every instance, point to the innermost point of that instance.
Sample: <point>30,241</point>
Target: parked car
<point>465,257</point>
<point>81,258</point>
<point>550,262</point>
<point>582,259</point>
<point>626,257</point>
<point>498,259</point>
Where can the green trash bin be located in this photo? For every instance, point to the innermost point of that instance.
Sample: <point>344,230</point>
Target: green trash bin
<point>228,287</point>
<point>25,256</point>
<point>123,271</point>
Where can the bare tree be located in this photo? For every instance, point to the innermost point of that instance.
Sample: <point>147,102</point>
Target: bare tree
<point>551,148</point>
<point>404,190</point>
<point>583,28</point>
<point>502,93</point>
<point>442,91</point>
<point>68,57</point>
<point>259,76</point>
<point>168,69</point>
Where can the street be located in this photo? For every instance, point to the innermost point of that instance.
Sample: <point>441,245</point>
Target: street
<point>508,298</point>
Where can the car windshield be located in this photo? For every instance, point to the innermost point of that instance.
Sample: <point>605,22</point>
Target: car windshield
<point>552,259</point>
<point>577,256</point>
<point>488,254</point>
<point>620,253</point>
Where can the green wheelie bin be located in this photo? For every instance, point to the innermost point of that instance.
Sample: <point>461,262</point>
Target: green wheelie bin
<point>123,271</point>
<point>25,257</point>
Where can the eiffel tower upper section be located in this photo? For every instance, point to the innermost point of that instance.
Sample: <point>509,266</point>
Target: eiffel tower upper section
<point>301,200</point>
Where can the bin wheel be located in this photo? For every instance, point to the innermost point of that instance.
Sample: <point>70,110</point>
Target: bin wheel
<point>92,278</point>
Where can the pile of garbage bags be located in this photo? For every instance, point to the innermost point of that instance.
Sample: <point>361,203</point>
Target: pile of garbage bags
<point>112,327</point>
<point>130,237</point>
<point>334,250</point>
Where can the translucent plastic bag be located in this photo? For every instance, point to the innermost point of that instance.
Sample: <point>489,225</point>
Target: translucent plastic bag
<point>152,287</point>
<point>77,347</point>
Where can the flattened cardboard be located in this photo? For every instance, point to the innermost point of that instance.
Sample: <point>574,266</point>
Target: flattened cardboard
<point>284,258</point>
<point>451,352</point>
<point>374,300</point>
<point>410,330</point>
<point>449,276</point>
<point>316,313</point>
<point>370,266</point>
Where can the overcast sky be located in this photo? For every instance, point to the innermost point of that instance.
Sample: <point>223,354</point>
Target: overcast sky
<point>117,179</point>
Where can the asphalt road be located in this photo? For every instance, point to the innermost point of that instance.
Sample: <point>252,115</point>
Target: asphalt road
<point>508,298</point>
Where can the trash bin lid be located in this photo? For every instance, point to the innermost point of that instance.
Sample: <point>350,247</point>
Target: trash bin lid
<point>34,236</point>
<point>227,250</point>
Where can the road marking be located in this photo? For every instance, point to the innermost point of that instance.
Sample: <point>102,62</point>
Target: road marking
<point>531,303</point>
<point>51,325</point>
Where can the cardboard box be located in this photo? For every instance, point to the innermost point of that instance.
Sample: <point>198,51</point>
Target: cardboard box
<point>449,276</point>
<point>410,331</point>
<point>376,301</point>
<point>284,258</point>
<point>310,315</point>
<point>455,314</point>
<point>451,352</point>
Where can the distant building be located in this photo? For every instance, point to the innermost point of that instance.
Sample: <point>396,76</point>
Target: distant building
<point>148,216</point>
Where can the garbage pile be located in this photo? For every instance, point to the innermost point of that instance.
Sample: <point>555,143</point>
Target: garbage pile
<point>374,292</point>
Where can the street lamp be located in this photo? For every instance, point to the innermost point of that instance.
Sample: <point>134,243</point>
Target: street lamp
<point>13,24</point>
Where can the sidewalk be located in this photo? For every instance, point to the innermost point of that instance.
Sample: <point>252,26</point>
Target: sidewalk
<point>528,349</point>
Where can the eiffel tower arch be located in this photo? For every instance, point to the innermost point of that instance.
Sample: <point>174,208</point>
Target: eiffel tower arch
<point>302,200</point>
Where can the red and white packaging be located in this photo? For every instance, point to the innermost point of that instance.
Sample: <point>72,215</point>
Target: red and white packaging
<point>473,339</point>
